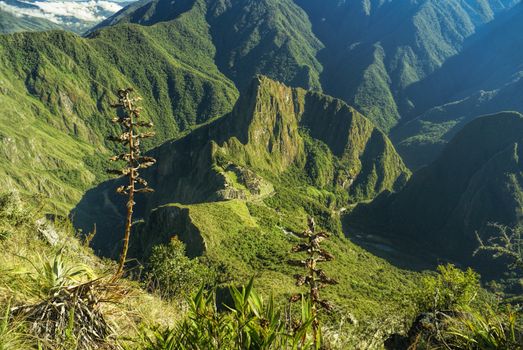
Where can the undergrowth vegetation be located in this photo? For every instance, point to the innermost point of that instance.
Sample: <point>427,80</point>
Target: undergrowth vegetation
<point>55,294</point>
<point>52,286</point>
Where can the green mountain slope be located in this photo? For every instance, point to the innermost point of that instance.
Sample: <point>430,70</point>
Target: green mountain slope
<point>364,52</point>
<point>467,86</point>
<point>67,84</point>
<point>278,144</point>
<point>241,239</point>
<point>476,180</point>
<point>251,36</point>
<point>249,179</point>
<point>10,23</point>
<point>376,49</point>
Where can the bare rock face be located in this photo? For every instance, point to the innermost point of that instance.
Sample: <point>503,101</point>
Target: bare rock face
<point>48,232</point>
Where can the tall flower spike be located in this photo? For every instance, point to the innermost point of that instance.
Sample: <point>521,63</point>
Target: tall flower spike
<point>130,138</point>
<point>315,278</point>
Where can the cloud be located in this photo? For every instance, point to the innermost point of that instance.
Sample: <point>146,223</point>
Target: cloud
<point>61,11</point>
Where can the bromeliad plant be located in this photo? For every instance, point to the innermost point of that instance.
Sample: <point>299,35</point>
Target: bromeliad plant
<point>315,278</point>
<point>130,138</point>
<point>249,323</point>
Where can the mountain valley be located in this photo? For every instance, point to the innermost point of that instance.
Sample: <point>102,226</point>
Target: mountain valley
<point>395,126</point>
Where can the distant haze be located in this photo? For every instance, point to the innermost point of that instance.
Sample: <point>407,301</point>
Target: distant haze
<point>74,14</point>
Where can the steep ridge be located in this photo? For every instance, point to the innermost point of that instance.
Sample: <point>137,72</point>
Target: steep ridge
<point>364,52</point>
<point>147,12</point>
<point>277,140</point>
<point>270,37</point>
<point>376,49</point>
<point>68,83</point>
<point>476,180</point>
<point>486,77</point>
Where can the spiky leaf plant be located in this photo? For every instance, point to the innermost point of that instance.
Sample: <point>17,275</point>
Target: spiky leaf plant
<point>315,278</point>
<point>130,138</point>
<point>249,323</point>
<point>50,276</point>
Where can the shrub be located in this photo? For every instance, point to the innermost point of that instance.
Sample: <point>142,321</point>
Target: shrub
<point>48,276</point>
<point>449,289</point>
<point>13,213</point>
<point>249,323</point>
<point>171,273</point>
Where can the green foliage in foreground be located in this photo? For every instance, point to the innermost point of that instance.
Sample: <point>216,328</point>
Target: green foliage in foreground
<point>455,312</point>
<point>449,289</point>
<point>31,268</point>
<point>170,273</point>
<point>487,329</point>
<point>249,323</point>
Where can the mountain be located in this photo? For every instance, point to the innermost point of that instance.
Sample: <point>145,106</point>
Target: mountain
<point>365,52</point>
<point>10,23</point>
<point>465,87</point>
<point>236,189</point>
<point>238,176</point>
<point>376,49</point>
<point>477,179</point>
<point>59,87</point>
<point>270,37</point>
<point>175,54</point>
<point>76,16</point>
<point>278,144</point>
<point>369,53</point>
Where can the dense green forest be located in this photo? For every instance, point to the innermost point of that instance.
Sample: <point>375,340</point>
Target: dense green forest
<point>308,175</point>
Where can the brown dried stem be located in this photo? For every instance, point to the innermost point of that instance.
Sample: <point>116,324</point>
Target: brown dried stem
<point>130,137</point>
<point>315,278</point>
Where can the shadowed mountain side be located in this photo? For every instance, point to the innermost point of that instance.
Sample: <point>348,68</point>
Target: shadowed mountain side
<point>274,131</point>
<point>490,59</point>
<point>484,78</point>
<point>477,179</point>
<point>421,140</point>
<point>374,50</point>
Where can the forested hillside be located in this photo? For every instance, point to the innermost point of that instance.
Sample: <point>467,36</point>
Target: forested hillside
<point>290,174</point>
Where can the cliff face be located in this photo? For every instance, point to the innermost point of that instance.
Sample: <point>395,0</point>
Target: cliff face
<point>273,132</point>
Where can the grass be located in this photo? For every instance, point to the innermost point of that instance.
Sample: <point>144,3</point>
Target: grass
<point>31,268</point>
<point>245,239</point>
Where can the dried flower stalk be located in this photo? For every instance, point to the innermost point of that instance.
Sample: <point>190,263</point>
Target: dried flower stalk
<point>130,138</point>
<point>315,278</point>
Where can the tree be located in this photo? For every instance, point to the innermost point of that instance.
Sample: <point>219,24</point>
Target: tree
<point>508,242</point>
